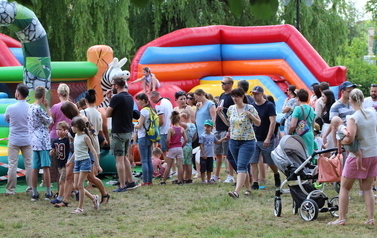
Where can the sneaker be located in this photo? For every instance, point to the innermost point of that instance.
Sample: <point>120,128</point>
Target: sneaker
<point>35,197</point>
<point>130,186</point>
<point>277,180</point>
<point>9,193</point>
<point>120,190</point>
<point>28,190</point>
<point>255,186</point>
<point>229,179</point>
<point>146,184</point>
<point>215,179</point>
<point>204,182</point>
<point>211,182</point>
<point>174,173</point>
<point>95,202</point>
<point>55,201</point>
<point>48,196</point>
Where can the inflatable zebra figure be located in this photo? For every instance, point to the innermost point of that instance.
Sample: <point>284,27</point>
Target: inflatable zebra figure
<point>113,70</point>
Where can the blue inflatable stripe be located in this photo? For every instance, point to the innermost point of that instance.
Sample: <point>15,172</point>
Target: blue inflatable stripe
<point>3,95</point>
<point>183,54</point>
<point>17,52</point>
<point>7,100</point>
<point>267,51</point>
<point>3,123</point>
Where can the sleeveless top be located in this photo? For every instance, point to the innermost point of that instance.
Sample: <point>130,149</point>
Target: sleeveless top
<point>81,148</point>
<point>175,140</point>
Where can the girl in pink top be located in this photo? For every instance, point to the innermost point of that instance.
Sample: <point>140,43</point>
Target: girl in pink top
<point>175,144</point>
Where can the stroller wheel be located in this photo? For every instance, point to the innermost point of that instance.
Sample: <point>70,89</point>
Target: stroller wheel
<point>309,210</point>
<point>334,202</point>
<point>294,208</point>
<point>277,207</point>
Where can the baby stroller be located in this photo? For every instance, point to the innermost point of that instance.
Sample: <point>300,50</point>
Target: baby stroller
<point>291,158</point>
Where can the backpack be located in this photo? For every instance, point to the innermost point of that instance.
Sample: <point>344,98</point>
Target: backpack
<point>153,130</point>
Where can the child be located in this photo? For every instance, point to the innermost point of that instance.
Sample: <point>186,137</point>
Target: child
<point>187,149</point>
<point>206,141</point>
<point>61,151</point>
<point>341,132</point>
<point>318,138</point>
<point>158,168</point>
<point>150,82</point>
<point>83,163</point>
<point>175,144</point>
<point>39,118</point>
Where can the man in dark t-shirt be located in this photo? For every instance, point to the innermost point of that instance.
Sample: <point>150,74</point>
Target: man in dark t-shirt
<point>121,112</point>
<point>225,101</point>
<point>264,134</point>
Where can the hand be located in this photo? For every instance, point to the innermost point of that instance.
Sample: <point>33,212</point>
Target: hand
<point>324,140</point>
<point>266,143</point>
<point>99,169</point>
<point>109,94</point>
<point>219,109</point>
<point>204,156</point>
<point>45,103</point>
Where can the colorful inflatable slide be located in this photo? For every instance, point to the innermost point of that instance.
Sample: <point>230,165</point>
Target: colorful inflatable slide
<point>198,57</point>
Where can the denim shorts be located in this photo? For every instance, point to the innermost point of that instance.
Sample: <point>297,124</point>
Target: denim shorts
<point>242,152</point>
<point>84,165</point>
<point>266,153</point>
<point>163,139</point>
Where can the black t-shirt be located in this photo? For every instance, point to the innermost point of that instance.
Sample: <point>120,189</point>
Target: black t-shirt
<point>122,105</point>
<point>265,110</point>
<point>61,147</point>
<point>228,101</point>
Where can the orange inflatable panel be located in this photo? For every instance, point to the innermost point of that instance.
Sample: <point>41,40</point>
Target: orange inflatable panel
<point>183,71</point>
<point>263,67</point>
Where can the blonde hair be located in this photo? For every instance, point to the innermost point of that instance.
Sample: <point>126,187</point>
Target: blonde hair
<point>63,90</point>
<point>357,96</point>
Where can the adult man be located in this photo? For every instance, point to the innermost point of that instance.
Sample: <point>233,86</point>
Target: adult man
<point>341,107</point>
<point>121,111</point>
<point>164,109</point>
<point>16,116</point>
<point>225,101</point>
<point>265,136</point>
<point>372,100</point>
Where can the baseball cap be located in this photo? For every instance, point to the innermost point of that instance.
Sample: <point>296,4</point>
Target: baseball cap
<point>257,89</point>
<point>347,84</point>
<point>208,122</point>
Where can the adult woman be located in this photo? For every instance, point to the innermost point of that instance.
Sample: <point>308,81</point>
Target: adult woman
<point>95,119</point>
<point>149,81</point>
<point>317,94</point>
<point>242,116</point>
<point>362,126</point>
<point>181,99</point>
<point>191,101</point>
<point>289,105</point>
<point>205,109</point>
<point>58,116</point>
<point>70,111</point>
<point>304,112</point>
<point>328,99</point>
<point>145,144</point>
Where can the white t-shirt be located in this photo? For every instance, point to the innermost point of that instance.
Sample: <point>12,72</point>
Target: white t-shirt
<point>141,132</point>
<point>366,132</point>
<point>368,103</point>
<point>164,107</point>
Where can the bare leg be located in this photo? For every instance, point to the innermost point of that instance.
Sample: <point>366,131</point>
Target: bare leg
<point>169,162</point>
<point>219,162</point>
<point>120,160</point>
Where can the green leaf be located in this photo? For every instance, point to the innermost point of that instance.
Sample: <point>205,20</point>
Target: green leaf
<point>264,9</point>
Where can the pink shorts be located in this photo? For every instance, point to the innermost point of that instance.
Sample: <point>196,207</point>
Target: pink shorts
<point>350,168</point>
<point>175,153</point>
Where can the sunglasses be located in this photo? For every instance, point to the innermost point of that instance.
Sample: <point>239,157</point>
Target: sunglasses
<point>190,98</point>
<point>223,83</point>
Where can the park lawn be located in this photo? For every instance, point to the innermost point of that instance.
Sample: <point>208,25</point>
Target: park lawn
<point>196,210</point>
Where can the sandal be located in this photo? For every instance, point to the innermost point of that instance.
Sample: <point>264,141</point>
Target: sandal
<point>105,199</point>
<point>61,204</point>
<point>337,222</point>
<point>233,194</point>
<point>78,210</point>
<point>247,193</point>
<point>370,222</point>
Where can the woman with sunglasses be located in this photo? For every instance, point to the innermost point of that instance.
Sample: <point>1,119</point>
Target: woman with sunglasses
<point>181,99</point>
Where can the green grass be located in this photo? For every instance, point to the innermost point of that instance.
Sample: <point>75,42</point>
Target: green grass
<point>195,210</point>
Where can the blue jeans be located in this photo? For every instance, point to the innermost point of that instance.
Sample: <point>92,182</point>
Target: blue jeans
<point>242,151</point>
<point>145,149</point>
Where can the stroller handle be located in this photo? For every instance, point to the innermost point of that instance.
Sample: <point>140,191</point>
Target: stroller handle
<point>324,151</point>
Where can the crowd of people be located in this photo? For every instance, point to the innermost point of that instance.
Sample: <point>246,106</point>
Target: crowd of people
<point>242,130</point>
